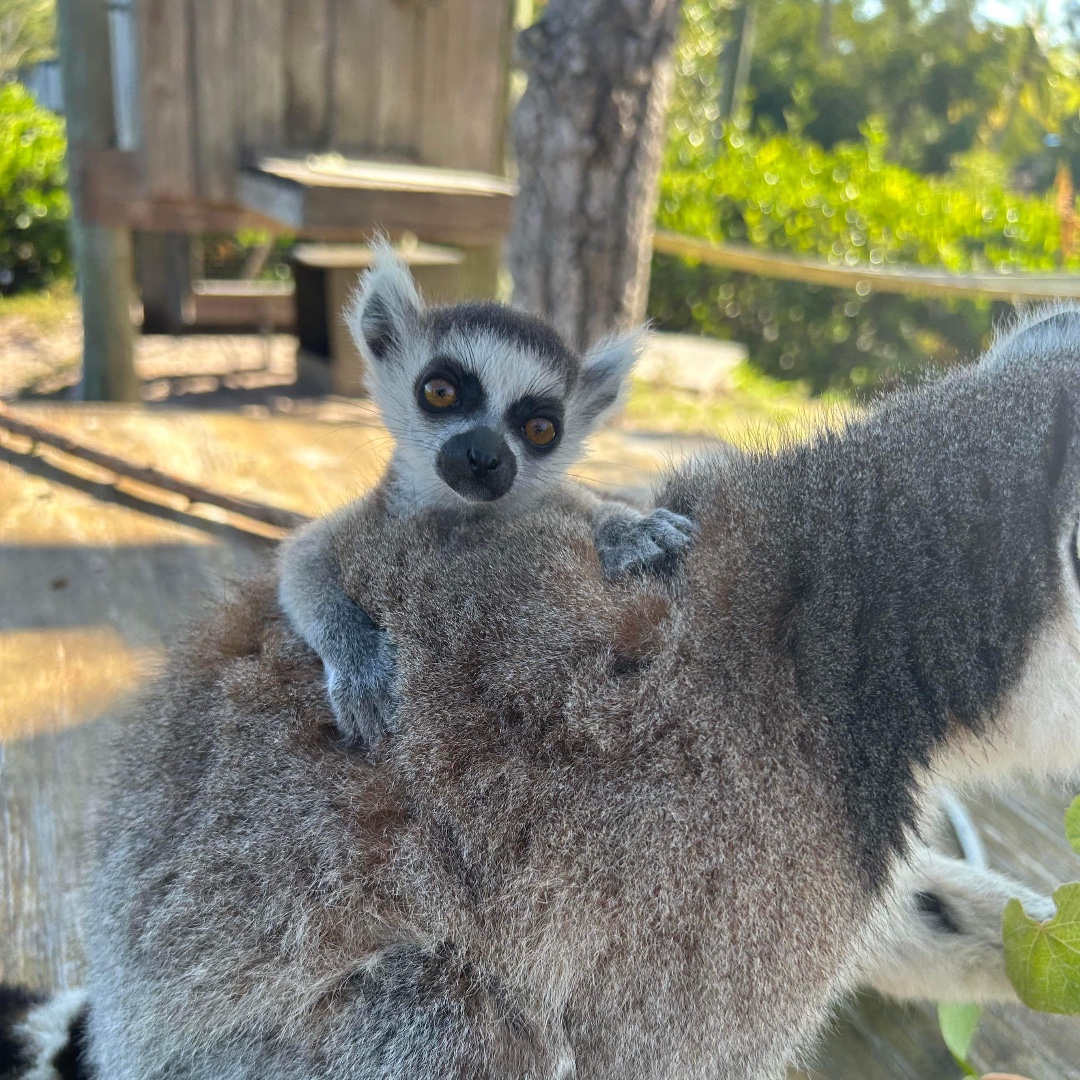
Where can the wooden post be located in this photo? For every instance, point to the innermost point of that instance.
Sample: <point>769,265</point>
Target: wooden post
<point>478,275</point>
<point>735,58</point>
<point>103,258</point>
<point>163,272</point>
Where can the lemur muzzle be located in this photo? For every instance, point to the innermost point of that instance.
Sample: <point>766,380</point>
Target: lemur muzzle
<point>477,464</point>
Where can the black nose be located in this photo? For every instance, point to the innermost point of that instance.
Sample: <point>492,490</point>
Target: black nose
<point>477,464</point>
<point>482,459</point>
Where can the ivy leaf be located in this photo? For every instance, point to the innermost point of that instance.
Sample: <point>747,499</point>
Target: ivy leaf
<point>1042,959</point>
<point>1072,824</point>
<point>958,1024</point>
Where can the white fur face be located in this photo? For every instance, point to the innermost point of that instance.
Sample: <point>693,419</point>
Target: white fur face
<point>488,407</point>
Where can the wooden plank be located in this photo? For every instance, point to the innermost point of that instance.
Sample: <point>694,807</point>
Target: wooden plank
<point>252,306</point>
<point>360,256</point>
<point>168,110</point>
<point>259,86</point>
<point>442,40</point>
<point>465,79</point>
<point>399,78</point>
<point>147,475</point>
<point>485,86</point>
<point>215,98</point>
<point>110,193</point>
<point>355,75</point>
<point>308,52</point>
<point>334,170</point>
<point>92,588</point>
<point>905,279</point>
<point>343,214</point>
<point>352,199</point>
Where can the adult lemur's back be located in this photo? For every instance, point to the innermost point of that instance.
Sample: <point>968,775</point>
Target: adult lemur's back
<point>627,830</point>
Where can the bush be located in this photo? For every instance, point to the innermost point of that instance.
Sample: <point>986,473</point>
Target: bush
<point>851,207</point>
<point>34,205</point>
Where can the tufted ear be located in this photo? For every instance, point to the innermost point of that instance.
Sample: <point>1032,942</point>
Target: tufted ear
<point>605,369</point>
<point>385,309</point>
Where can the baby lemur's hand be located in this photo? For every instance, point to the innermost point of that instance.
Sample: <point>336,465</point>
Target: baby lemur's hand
<point>361,682</point>
<point>628,541</point>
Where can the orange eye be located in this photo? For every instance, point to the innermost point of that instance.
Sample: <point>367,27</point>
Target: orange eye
<point>440,393</point>
<point>540,431</point>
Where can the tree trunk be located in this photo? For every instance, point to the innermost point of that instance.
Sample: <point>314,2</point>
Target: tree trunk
<point>589,133</point>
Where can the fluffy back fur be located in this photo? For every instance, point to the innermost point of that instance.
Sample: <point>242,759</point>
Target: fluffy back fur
<point>625,831</point>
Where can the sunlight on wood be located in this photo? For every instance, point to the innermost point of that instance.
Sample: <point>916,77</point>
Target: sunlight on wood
<point>54,679</point>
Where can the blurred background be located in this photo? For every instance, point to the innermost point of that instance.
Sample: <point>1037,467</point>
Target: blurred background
<point>866,133</point>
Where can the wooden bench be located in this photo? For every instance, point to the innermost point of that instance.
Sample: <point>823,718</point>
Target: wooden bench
<point>237,306</point>
<point>330,197</point>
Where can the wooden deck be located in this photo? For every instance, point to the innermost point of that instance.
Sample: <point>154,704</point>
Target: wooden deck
<point>93,581</point>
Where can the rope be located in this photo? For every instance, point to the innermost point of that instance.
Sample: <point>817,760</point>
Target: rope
<point>863,279</point>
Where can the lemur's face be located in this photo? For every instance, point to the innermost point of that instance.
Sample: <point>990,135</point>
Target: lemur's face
<point>486,404</point>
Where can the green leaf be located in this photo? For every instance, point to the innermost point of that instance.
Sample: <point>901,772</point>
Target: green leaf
<point>1042,959</point>
<point>1072,824</point>
<point>958,1024</point>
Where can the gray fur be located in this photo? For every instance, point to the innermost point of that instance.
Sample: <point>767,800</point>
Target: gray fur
<point>510,356</point>
<point>631,829</point>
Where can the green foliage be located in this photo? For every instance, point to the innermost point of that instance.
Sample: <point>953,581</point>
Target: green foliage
<point>27,34</point>
<point>852,206</point>
<point>945,81</point>
<point>1043,958</point>
<point>34,205</point>
<point>1072,825</point>
<point>958,1024</point>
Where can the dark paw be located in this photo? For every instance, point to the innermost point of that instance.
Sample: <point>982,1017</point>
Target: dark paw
<point>651,542</point>
<point>364,697</point>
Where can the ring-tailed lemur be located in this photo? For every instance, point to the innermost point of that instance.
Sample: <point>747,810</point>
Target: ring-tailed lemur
<point>489,409</point>
<point>570,864</point>
<point>941,941</point>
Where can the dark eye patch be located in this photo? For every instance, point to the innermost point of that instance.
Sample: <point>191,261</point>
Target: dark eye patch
<point>529,407</point>
<point>471,396</point>
<point>937,914</point>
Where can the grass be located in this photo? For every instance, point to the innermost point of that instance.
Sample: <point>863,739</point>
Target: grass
<point>41,309</point>
<point>754,410</point>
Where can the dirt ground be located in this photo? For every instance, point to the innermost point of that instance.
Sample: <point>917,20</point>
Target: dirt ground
<point>688,387</point>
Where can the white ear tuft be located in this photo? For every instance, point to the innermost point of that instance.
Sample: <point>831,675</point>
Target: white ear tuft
<point>605,370</point>
<point>385,308</point>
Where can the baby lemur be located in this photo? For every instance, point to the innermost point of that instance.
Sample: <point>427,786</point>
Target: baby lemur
<point>488,408</point>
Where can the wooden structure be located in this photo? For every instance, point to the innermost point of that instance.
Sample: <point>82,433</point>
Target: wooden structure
<point>327,118</point>
<point>95,580</point>
<point>325,276</point>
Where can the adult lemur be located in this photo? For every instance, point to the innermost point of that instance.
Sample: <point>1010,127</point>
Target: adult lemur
<point>488,408</point>
<point>630,829</point>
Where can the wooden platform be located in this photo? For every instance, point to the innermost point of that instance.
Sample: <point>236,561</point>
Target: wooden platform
<point>93,583</point>
<point>332,197</point>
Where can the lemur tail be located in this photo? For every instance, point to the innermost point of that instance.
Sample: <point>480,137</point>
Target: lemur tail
<point>43,1037</point>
